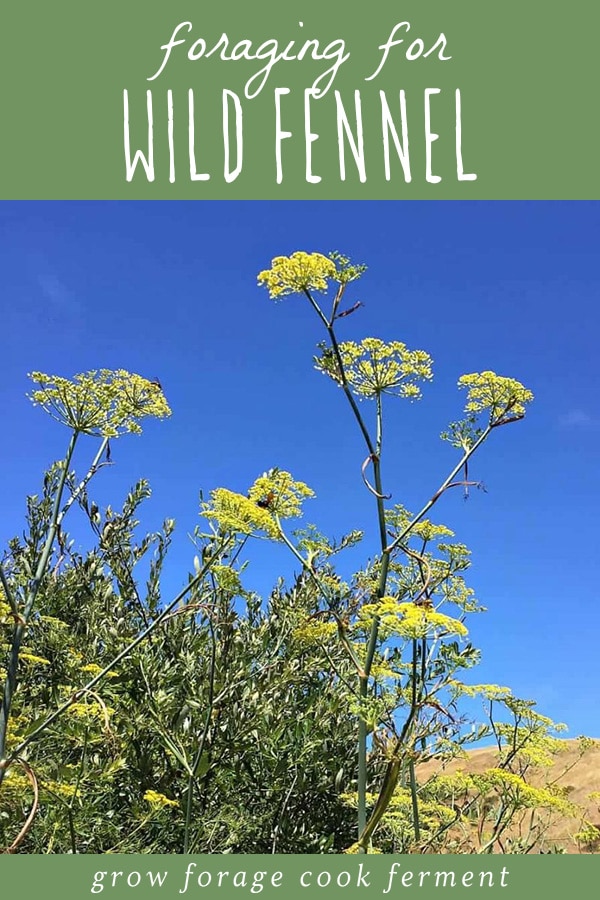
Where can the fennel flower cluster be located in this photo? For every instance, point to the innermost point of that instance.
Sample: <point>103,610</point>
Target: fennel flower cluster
<point>102,402</point>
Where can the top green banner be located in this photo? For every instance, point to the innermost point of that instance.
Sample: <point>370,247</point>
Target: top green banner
<point>322,99</point>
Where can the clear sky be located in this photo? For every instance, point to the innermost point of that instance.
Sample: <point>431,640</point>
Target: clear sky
<point>169,290</point>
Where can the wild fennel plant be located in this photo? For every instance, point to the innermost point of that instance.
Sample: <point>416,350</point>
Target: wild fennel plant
<point>219,720</point>
<point>370,370</point>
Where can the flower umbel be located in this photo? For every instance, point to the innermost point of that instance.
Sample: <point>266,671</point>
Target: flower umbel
<point>297,273</point>
<point>274,495</point>
<point>235,513</point>
<point>374,367</point>
<point>409,620</point>
<point>346,270</point>
<point>158,800</point>
<point>284,495</point>
<point>104,402</point>
<point>505,398</point>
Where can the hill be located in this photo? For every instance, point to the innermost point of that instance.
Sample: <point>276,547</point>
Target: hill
<point>578,775</point>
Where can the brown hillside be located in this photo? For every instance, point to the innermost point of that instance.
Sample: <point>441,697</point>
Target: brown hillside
<point>579,775</point>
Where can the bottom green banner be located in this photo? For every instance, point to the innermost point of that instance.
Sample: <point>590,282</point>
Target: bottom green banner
<point>234,876</point>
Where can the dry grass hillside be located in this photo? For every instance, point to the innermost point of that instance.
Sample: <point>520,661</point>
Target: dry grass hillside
<point>580,776</point>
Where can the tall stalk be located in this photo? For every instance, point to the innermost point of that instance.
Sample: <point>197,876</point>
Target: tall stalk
<point>192,773</point>
<point>279,281</point>
<point>374,448</point>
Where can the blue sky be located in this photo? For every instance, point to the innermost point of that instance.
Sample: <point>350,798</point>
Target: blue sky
<point>169,290</point>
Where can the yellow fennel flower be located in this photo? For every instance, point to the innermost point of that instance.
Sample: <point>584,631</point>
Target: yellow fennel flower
<point>373,367</point>
<point>158,800</point>
<point>297,273</point>
<point>104,402</point>
<point>505,398</point>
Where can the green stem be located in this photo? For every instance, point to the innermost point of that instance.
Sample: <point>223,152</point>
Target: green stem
<point>196,761</point>
<point>361,786</point>
<point>9,596</point>
<point>374,453</point>
<point>343,380</point>
<point>85,480</point>
<point>411,762</point>
<point>414,800</point>
<point>373,638</point>
<point>390,780</point>
<point>75,792</point>
<point>54,523</point>
<point>349,396</point>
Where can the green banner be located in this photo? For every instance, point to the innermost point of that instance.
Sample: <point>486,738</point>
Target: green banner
<point>149,99</point>
<point>227,877</point>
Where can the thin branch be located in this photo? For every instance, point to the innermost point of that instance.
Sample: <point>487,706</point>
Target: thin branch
<point>14,609</point>
<point>277,829</point>
<point>468,453</point>
<point>369,486</point>
<point>34,806</point>
<point>202,742</point>
<point>95,466</point>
